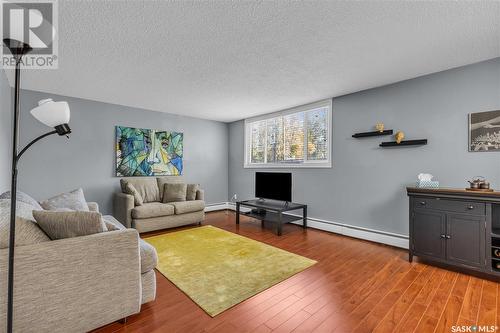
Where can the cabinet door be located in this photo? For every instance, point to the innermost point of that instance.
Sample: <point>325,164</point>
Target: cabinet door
<point>465,242</point>
<point>428,230</point>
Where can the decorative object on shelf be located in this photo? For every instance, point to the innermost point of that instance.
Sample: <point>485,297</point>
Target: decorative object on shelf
<point>50,113</point>
<point>420,142</point>
<point>424,180</point>
<point>399,136</point>
<point>479,183</point>
<point>484,131</point>
<point>146,152</point>
<point>379,131</point>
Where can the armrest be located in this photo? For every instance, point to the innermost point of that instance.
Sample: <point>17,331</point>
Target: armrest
<point>93,206</point>
<point>200,195</point>
<point>74,284</point>
<point>123,205</point>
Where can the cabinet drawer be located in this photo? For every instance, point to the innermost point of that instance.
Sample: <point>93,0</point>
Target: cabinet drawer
<point>467,207</point>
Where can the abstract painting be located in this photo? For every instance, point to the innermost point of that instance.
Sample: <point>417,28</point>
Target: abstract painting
<point>484,131</point>
<point>146,152</point>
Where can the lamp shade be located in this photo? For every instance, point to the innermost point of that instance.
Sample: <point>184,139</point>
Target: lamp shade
<point>51,113</point>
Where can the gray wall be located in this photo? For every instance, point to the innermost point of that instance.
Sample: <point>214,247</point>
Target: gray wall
<point>366,186</point>
<point>87,159</point>
<point>5,132</point>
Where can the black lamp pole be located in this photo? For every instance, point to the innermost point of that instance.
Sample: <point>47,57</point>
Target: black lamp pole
<point>18,49</point>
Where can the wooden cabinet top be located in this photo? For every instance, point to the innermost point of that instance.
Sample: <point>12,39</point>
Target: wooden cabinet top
<point>454,193</point>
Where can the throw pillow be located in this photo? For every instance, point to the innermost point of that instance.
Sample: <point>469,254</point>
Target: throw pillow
<point>146,186</point>
<point>130,189</point>
<point>74,200</point>
<point>191,191</point>
<point>59,225</point>
<point>23,197</point>
<point>174,192</point>
<point>27,232</point>
<point>161,181</point>
<point>22,210</point>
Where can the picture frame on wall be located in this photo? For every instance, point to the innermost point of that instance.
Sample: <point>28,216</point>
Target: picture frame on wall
<point>484,131</point>
<point>147,152</point>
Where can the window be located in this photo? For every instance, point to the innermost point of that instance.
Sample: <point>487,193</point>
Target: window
<point>298,137</point>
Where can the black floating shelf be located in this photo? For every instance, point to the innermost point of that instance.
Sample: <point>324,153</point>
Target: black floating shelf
<point>375,133</point>
<point>404,143</point>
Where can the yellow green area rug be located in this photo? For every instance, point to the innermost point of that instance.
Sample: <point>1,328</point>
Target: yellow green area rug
<point>218,269</point>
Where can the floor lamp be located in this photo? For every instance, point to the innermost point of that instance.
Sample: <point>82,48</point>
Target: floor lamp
<point>48,112</point>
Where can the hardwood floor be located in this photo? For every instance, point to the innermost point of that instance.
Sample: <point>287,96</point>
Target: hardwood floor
<point>356,286</point>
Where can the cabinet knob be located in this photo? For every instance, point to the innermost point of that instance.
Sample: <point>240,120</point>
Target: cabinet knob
<point>442,236</point>
<point>448,236</point>
<point>423,203</point>
<point>470,207</point>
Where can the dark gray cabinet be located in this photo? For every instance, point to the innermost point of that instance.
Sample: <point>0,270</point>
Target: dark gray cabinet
<point>427,229</point>
<point>455,238</point>
<point>465,239</point>
<point>455,227</point>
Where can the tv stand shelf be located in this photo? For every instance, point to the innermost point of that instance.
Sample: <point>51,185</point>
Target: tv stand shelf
<point>272,217</point>
<point>272,211</point>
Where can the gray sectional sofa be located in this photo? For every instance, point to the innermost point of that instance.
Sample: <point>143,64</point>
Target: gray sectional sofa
<point>74,284</point>
<point>153,214</point>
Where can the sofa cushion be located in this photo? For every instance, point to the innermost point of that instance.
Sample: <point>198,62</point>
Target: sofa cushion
<point>174,192</point>
<point>191,191</point>
<point>59,225</point>
<point>149,258</point>
<point>27,231</point>
<point>74,200</point>
<point>146,186</point>
<point>167,179</point>
<point>152,209</point>
<point>130,189</point>
<point>23,197</point>
<point>148,284</point>
<point>184,207</point>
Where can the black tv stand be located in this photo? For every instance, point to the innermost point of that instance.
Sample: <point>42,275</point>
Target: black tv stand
<point>272,211</point>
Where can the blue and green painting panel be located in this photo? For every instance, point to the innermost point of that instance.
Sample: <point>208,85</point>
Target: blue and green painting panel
<point>146,152</point>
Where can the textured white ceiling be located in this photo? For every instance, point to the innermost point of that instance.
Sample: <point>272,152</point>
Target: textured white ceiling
<point>227,60</point>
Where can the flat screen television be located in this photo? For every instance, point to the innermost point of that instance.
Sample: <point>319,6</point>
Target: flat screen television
<point>273,185</point>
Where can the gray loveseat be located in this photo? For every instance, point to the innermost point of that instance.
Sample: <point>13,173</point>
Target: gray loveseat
<point>74,284</point>
<point>153,214</point>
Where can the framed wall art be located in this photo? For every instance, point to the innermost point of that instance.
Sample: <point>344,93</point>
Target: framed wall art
<point>147,152</point>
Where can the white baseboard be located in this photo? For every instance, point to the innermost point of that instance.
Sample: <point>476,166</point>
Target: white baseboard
<point>378,236</point>
<point>373,235</point>
<point>216,206</point>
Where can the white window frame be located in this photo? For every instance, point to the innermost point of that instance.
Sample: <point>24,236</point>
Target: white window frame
<point>304,164</point>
